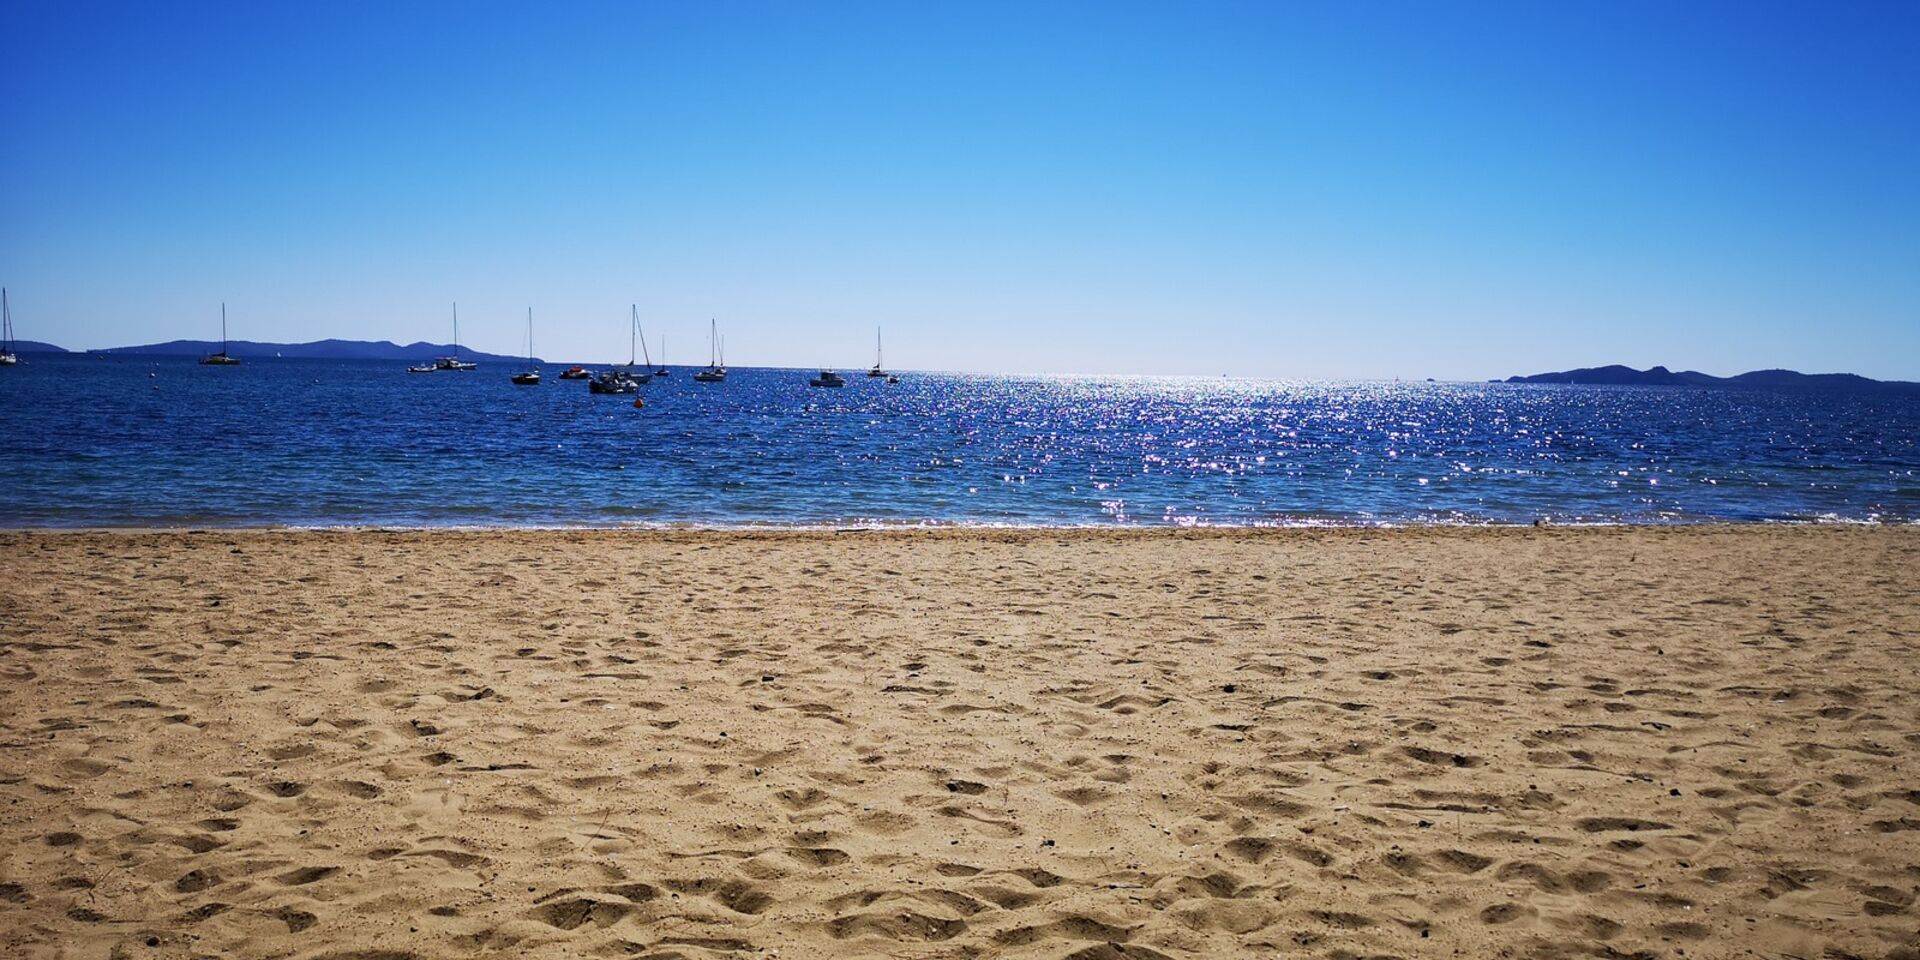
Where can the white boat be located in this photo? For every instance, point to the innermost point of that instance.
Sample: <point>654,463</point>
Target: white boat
<point>827,378</point>
<point>7,357</point>
<point>221,359</point>
<point>454,362</point>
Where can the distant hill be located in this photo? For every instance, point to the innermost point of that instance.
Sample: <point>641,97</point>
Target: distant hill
<point>35,346</point>
<point>317,350</point>
<point>1617,375</point>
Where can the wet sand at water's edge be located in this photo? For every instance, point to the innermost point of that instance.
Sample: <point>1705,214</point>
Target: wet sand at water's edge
<point>1417,743</point>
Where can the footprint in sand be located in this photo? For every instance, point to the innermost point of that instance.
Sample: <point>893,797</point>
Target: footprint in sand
<point>1065,928</point>
<point>576,912</point>
<point>904,925</point>
<point>305,875</point>
<point>735,895</point>
<point>287,788</point>
<point>358,789</point>
<point>818,856</point>
<point>296,920</point>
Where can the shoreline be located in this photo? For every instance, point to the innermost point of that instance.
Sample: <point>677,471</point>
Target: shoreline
<point>924,526</point>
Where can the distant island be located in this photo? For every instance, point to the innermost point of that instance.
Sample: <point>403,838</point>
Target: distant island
<point>419,352</point>
<point>1618,375</point>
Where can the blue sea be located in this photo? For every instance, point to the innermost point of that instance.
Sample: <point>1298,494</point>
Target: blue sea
<point>133,441</point>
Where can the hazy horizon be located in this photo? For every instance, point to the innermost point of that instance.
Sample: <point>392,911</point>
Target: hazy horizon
<point>1295,191</point>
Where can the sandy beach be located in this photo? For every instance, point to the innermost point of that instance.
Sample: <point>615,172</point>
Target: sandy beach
<point>1423,743</point>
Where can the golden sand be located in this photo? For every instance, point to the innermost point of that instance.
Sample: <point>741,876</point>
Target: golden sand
<point>1435,743</point>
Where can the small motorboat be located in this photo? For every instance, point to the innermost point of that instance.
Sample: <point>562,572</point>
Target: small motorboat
<point>892,379</point>
<point>529,379</point>
<point>576,373</point>
<point>827,378</point>
<point>422,368</point>
<point>614,381</point>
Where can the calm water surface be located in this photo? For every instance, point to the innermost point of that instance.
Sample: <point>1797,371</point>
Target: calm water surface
<point>139,441</point>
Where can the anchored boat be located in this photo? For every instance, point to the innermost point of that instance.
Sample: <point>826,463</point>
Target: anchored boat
<point>221,359</point>
<point>454,362</point>
<point>716,370</point>
<point>878,369</point>
<point>531,378</point>
<point>7,357</point>
<point>625,379</point>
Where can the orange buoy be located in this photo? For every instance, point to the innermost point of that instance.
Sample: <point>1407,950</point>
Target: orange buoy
<point>638,403</point>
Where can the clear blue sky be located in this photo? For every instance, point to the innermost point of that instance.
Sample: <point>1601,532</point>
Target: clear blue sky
<point>1374,189</point>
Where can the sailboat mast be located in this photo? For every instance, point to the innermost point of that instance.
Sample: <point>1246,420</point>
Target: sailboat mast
<point>6,311</point>
<point>643,343</point>
<point>879,356</point>
<point>529,336</point>
<point>223,328</point>
<point>456,329</point>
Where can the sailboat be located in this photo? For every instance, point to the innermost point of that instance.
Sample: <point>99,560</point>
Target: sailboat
<point>221,359</point>
<point>7,357</point>
<point>531,378</point>
<point>716,370</point>
<point>635,334</point>
<point>625,379</point>
<point>662,371</point>
<point>878,370</point>
<point>454,362</point>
